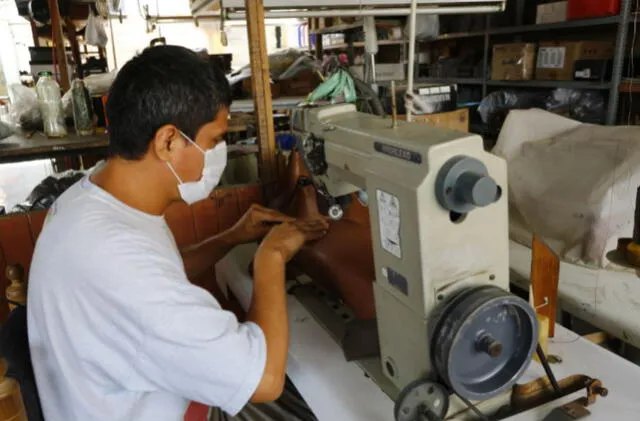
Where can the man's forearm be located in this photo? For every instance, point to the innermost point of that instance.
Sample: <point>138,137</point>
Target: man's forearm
<point>200,257</point>
<point>269,311</point>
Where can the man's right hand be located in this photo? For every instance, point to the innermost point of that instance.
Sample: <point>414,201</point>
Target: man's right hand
<point>269,303</point>
<point>286,239</point>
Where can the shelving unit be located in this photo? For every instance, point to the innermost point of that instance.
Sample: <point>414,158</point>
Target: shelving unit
<point>571,24</point>
<point>492,35</point>
<point>360,44</point>
<point>568,84</point>
<point>612,86</point>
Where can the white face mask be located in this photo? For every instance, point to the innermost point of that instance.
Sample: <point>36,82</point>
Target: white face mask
<point>215,160</point>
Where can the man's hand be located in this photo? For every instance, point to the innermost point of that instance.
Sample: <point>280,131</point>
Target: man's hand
<point>285,240</point>
<point>256,223</point>
<point>269,302</point>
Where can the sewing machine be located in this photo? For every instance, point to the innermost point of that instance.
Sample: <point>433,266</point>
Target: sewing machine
<point>438,217</point>
<point>419,250</point>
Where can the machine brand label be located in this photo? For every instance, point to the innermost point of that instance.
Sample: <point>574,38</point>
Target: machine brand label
<point>397,152</point>
<point>389,221</point>
<point>398,281</point>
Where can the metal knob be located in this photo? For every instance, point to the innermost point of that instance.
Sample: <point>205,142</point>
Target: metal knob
<point>464,184</point>
<point>477,189</point>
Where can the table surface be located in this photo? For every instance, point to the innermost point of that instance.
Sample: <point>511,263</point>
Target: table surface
<point>338,390</point>
<point>21,148</point>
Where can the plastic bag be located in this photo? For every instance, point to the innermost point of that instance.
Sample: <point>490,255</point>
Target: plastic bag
<point>427,27</point>
<point>67,105</point>
<point>95,33</point>
<point>25,110</point>
<point>338,88</point>
<point>45,193</point>
<point>584,106</point>
<point>5,130</point>
<point>99,84</point>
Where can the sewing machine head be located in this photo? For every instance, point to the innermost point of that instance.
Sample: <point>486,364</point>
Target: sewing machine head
<point>438,211</point>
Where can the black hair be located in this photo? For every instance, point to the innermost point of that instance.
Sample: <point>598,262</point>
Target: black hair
<point>163,85</point>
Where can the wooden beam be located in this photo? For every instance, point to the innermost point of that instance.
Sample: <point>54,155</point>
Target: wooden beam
<point>261,88</point>
<point>34,33</point>
<point>58,39</point>
<point>75,47</point>
<point>545,274</point>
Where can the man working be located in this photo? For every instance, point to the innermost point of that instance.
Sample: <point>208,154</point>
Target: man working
<point>116,330</point>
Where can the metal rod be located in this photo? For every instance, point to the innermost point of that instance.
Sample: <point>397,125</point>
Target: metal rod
<point>485,57</point>
<point>403,11</point>
<point>113,43</point>
<point>412,53</point>
<point>618,62</point>
<point>547,369</point>
<point>471,406</point>
<point>636,218</point>
<point>394,107</point>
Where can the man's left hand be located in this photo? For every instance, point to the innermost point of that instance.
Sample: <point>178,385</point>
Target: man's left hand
<point>256,223</point>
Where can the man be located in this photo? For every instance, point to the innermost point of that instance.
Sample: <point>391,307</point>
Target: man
<point>116,330</point>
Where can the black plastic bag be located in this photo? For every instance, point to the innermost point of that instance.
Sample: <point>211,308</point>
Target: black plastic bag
<point>45,193</point>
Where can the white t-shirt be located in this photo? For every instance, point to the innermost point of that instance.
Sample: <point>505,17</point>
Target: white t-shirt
<point>116,330</point>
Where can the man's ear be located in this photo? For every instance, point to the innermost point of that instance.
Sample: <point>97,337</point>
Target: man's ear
<point>166,142</point>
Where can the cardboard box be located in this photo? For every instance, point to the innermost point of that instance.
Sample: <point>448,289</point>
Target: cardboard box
<point>384,71</point>
<point>452,120</point>
<point>513,61</point>
<point>559,60</point>
<point>552,12</point>
<point>586,9</point>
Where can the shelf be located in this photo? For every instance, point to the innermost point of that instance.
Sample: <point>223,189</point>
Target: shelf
<point>284,103</point>
<point>349,26</point>
<point>342,46</point>
<point>453,80</point>
<point>337,28</point>
<point>360,44</point>
<point>570,24</point>
<point>456,35</point>
<point>569,84</point>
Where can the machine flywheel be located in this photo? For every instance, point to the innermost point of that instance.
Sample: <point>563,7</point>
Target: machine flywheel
<point>483,341</point>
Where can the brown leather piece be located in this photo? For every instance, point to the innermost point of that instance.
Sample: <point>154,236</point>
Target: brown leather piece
<point>342,261</point>
<point>179,217</point>
<point>16,247</point>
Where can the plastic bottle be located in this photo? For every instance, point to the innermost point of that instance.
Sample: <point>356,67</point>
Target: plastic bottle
<point>50,104</point>
<point>82,109</point>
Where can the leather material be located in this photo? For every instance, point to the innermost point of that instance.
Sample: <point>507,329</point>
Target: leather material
<point>342,261</point>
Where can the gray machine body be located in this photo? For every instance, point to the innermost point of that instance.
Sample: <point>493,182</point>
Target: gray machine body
<point>425,247</point>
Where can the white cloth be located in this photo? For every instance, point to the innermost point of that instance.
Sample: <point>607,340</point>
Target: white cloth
<point>572,184</point>
<point>116,330</point>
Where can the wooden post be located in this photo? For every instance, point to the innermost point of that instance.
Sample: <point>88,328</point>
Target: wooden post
<point>11,404</point>
<point>75,48</point>
<point>261,88</point>
<point>545,274</point>
<point>34,33</point>
<point>58,39</point>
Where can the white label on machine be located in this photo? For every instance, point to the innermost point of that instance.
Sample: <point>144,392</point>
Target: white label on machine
<point>389,218</point>
<point>551,57</point>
